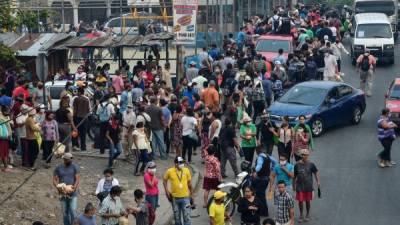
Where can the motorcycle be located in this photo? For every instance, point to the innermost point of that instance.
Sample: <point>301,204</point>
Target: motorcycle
<point>234,194</point>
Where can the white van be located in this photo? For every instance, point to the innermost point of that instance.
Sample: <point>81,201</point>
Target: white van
<point>372,31</point>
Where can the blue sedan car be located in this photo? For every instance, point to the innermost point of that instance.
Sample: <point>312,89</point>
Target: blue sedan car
<point>323,103</point>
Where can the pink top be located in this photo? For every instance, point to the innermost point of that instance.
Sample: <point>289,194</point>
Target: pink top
<point>212,168</point>
<point>147,179</point>
<point>118,84</point>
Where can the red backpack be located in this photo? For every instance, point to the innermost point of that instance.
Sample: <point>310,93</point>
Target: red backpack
<point>152,213</point>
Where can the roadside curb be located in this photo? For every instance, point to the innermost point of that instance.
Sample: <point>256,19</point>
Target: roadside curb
<point>195,182</point>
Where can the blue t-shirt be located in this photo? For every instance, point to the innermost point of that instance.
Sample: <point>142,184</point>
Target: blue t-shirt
<point>281,175</point>
<point>166,114</point>
<point>123,102</point>
<point>84,220</point>
<point>67,174</point>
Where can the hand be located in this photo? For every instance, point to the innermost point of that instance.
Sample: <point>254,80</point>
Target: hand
<point>168,194</point>
<point>318,184</point>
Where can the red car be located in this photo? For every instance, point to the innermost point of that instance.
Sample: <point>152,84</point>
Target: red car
<point>268,45</point>
<point>392,100</point>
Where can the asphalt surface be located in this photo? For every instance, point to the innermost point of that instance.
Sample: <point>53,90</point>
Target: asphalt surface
<point>355,191</point>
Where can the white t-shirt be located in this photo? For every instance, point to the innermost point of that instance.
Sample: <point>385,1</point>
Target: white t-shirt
<point>141,141</point>
<point>188,125</point>
<point>200,82</point>
<point>110,108</point>
<point>330,66</point>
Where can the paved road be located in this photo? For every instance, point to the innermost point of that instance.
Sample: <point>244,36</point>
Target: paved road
<point>354,190</point>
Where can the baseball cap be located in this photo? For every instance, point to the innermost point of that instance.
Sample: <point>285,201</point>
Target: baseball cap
<point>219,194</point>
<point>179,160</point>
<point>67,155</point>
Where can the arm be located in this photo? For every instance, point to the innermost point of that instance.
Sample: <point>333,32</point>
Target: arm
<point>99,186</point>
<point>291,214</point>
<point>272,181</point>
<point>316,175</point>
<point>77,181</point>
<point>260,162</point>
<point>71,121</point>
<point>108,137</point>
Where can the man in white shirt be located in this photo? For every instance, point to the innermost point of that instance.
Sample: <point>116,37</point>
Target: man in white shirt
<point>199,80</point>
<point>128,125</point>
<point>330,70</point>
<point>204,55</point>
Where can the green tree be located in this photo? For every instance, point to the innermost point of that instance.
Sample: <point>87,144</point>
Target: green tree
<point>7,16</point>
<point>7,59</point>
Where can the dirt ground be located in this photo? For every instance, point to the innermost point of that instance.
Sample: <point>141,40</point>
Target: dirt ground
<point>38,199</point>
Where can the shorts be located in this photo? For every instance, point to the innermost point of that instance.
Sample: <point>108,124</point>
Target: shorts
<point>304,196</point>
<point>210,183</point>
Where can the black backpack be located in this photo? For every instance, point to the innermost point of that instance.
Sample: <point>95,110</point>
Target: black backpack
<point>275,24</point>
<point>365,64</point>
<point>285,27</point>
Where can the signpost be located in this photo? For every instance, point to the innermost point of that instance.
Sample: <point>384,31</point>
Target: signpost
<point>185,15</point>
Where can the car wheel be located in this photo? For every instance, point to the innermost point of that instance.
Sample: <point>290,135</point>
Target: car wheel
<point>357,114</point>
<point>317,127</point>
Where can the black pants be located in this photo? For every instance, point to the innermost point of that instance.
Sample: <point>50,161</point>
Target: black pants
<point>259,107</point>
<point>82,130</point>
<point>268,101</point>
<point>268,146</point>
<point>387,147</point>
<point>248,153</point>
<point>102,138</point>
<point>339,65</point>
<point>47,147</point>
<point>143,158</point>
<point>33,151</point>
<point>214,142</point>
<point>285,150</point>
<point>188,146</point>
<point>260,185</point>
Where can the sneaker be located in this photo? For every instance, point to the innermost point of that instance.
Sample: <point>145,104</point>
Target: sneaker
<point>382,165</point>
<point>10,167</point>
<point>392,163</point>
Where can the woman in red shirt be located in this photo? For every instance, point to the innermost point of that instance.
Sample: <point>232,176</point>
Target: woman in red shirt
<point>212,172</point>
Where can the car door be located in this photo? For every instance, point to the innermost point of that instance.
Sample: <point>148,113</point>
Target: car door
<point>331,108</point>
<point>346,103</point>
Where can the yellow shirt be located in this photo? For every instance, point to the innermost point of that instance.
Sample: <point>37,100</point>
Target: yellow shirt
<point>218,213</point>
<point>179,181</point>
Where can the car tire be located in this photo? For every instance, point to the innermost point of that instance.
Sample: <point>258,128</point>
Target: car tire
<point>317,127</point>
<point>356,115</point>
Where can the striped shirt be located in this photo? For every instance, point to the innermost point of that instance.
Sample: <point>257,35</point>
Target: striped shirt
<point>382,132</point>
<point>111,206</point>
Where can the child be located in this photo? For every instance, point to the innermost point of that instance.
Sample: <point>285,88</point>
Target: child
<point>50,137</point>
<point>140,211</point>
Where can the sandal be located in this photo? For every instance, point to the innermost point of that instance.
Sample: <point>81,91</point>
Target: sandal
<point>307,219</point>
<point>300,220</point>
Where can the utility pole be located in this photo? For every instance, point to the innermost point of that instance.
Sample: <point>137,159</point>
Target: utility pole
<point>62,15</point>
<point>120,14</point>
<point>221,19</point>
<point>207,8</point>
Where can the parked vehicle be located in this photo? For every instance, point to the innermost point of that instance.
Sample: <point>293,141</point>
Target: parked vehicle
<point>268,45</point>
<point>372,31</point>
<point>323,103</point>
<point>392,100</point>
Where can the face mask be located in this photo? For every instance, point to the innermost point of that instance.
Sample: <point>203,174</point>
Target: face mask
<point>129,110</point>
<point>157,79</point>
<point>181,166</point>
<point>152,171</point>
<point>67,163</point>
<point>282,163</point>
<point>40,86</point>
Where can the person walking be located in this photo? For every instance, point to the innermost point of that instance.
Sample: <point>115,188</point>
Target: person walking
<point>81,109</point>
<point>151,184</point>
<point>65,122</point>
<point>179,180</point>
<point>217,211</point>
<point>212,173</point>
<point>303,183</point>
<point>67,174</point>
<point>104,110</point>
<point>331,67</point>
<point>285,206</point>
<point>250,207</point>
<point>302,120</point>
<point>214,131</point>
<point>228,143</point>
<point>285,134</point>
<point>260,180</point>
<point>282,171</point>
<point>386,136</point>
<point>141,147</point>
<point>6,134</point>
<point>366,64</point>
<point>50,137</point>
<point>176,127</point>
<point>210,97</point>
<point>266,130</point>
<point>128,125</point>
<point>113,135</point>
<point>248,132</point>
<point>300,141</point>
<point>189,134</point>
<point>32,128</point>
<point>157,127</point>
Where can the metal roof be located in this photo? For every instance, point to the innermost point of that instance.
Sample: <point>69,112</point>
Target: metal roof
<point>9,38</point>
<point>32,44</point>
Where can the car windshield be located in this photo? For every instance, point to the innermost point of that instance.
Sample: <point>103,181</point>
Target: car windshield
<point>374,31</point>
<point>55,91</point>
<point>395,93</point>
<point>386,7</point>
<point>272,45</point>
<point>303,95</point>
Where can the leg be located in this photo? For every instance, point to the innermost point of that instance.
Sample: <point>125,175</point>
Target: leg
<point>138,160</point>
<point>301,211</point>
<point>72,208</point>
<point>111,155</point>
<point>103,141</point>
<point>308,208</point>
<point>192,145</point>
<point>75,140</point>
<point>223,162</point>
<point>65,210</point>
<point>167,140</point>
<point>177,211</point>
<point>232,160</point>
<point>362,80</point>
<point>82,133</point>
<point>159,142</point>
<point>186,211</point>
<point>369,82</point>
<point>261,187</point>
<point>185,146</point>
<point>205,198</point>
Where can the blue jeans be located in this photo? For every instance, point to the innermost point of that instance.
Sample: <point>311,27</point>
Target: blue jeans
<point>115,151</point>
<point>157,142</point>
<point>68,206</point>
<point>181,207</point>
<point>153,200</point>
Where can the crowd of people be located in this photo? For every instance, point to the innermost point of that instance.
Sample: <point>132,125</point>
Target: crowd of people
<point>217,110</point>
